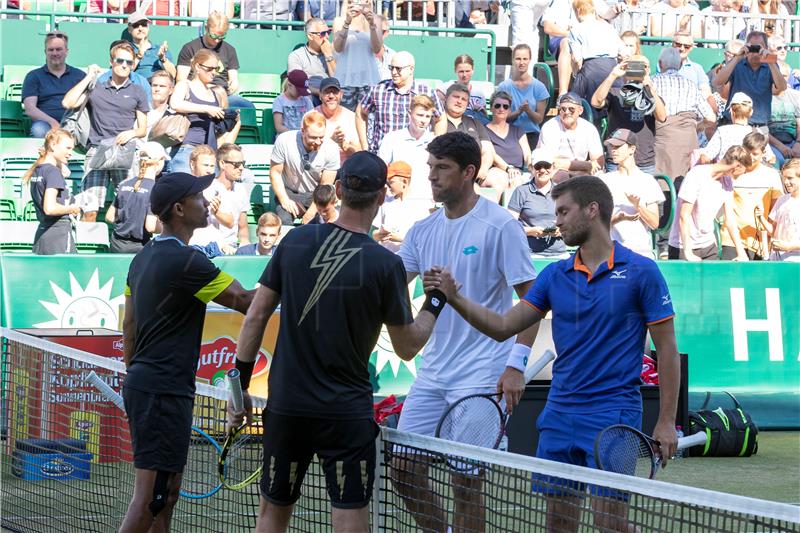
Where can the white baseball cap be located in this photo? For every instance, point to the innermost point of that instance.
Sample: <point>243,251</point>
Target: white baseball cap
<point>153,150</point>
<point>741,98</point>
<point>542,155</point>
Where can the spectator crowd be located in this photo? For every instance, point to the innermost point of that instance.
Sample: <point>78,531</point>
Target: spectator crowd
<point>726,139</point>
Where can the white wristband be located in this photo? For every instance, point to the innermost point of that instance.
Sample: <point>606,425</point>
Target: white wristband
<point>518,358</point>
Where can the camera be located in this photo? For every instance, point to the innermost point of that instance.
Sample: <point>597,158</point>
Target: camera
<point>635,70</point>
<point>754,48</point>
<point>550,230</point>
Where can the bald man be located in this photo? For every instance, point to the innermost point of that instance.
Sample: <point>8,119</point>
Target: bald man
<point>389,100</point>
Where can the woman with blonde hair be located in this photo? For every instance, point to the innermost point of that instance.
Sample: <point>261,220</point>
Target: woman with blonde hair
<point>130,213</point>
<point>50,195</point>
<point>204,105</point>
<point>356,40</point>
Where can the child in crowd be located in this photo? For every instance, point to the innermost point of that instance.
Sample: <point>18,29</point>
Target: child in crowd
<point>783,224</point>
<point>395,217</point>
<point>294,102</point>
<point>267,233</point>
<point>324,198</point>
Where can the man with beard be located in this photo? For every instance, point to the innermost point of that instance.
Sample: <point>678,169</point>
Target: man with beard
<point>603,299</point>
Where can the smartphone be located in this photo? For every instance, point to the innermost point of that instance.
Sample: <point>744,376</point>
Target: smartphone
<point>754,48</point>
<point>550,230</point>
<point>635,70</point>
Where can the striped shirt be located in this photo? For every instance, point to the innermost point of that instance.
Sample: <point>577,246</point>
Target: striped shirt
<point>391,108</point>
<point>680,95</point>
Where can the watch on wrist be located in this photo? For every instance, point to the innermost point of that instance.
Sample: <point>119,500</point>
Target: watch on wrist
<point>328,58</point>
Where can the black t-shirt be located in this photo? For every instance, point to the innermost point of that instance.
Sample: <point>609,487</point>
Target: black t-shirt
<point>337,288</point>
<point>44,177</point>
<point>132,207</point>
<point>225,52</point>
<point>628,117</point>
<point>170,284</point>
<point>471,127</point>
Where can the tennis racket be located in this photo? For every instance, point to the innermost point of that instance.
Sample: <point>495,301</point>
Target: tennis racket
<point>480,419</point>
<point>198,479</point>
<point>626,450</point>
<point>241,460</point>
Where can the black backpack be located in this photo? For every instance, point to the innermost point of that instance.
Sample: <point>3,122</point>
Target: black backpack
<point>730,432</point>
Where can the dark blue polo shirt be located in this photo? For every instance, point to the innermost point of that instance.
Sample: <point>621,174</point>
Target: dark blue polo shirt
<point>536,209</point>
<point>50,89</point>
<point>112,110</point>
<point>757,84</point>
<point>599,325</point>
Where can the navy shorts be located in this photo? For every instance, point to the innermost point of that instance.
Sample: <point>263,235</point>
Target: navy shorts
<point>569,438</point>
<point>161,427</point>
<point>345,448</point>
<point>554,46</point>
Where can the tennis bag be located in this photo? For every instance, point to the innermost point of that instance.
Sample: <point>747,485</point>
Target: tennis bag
<point>730,432</point>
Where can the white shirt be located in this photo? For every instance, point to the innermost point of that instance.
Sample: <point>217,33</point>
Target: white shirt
<point>579,144</point>
<point>346,120</point>
<point>290,152</point>
<point>593,38</point>
<point>398,216</point>
<point>633,233</point>
<point>786,214</point>
<point>707,195</point>
<point>399,145</point>
<point>235,202</point>
<point>487,252</point>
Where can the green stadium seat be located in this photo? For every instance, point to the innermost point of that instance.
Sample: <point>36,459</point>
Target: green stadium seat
<point>268,133</point>
<point>13,76</point>
<point>20,147</point>
<point>262,190</point>
<point>13,121</point>
<point>249,132</point>
<point>17,236</point>
<point>667,209</point>
<point>261,90</point>
<point>543,73</point>
<point>12,169</point>
<point>29,213</point>
<point>91,237</point>
<point>8,209</point>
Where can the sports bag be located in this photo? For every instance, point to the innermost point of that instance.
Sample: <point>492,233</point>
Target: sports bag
<point>730,432</point>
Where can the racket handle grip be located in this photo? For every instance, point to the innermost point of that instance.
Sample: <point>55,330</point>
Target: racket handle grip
<point>697,439</point>
<point>235,386</point>
<point>106,390</point>
<point>538,365</point>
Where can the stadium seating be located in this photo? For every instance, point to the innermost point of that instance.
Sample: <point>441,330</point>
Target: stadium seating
<point>13,121</point>
<point>267,126</point>
<point>17,236</point>
<point>667,209</point>
<point>249,131</point>
<point>543,73</point>
<point>13,76</point>
<point>91,237</point>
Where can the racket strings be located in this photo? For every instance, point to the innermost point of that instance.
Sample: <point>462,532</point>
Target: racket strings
<point>474,420</point>
<point>244,458</point>
<point>624,452</point>
<point>199,476</point>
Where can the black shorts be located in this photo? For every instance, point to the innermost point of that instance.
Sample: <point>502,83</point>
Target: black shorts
<point>161,427</point>
<point>346,449</point>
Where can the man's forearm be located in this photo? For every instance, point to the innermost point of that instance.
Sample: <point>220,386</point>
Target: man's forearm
<point>600,94</point>
<point>484,320</point>
<point>37,114</point>
<point>669,379</point>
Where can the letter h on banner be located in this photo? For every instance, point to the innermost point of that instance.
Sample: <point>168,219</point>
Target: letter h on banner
<point>742,325</point>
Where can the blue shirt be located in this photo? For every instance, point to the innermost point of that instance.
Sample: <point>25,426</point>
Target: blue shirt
<point>694,72</point>
<point>599,325</point>
<point>149,64</point>
<point>533,93</point>
<point>49,89</point>
<point>252,249</point>
<point>136,79</point>
<point>757,84</point>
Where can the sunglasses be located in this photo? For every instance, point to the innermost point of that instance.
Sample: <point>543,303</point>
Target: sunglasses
<point>217,37</point>
<point>780,48</point>
<point>306,163</point>
<point>120,61</point>
<point>235,164</point>
<point>682,46</point>
<point>321,33</point>
<point>140,24</point>
<point>542,166</point>
<point>207,68</point>
<point>501,106</point>
<point>567,110</point>
<point>396,69</point>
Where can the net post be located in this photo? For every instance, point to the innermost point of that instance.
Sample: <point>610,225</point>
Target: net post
<point>377,486</point>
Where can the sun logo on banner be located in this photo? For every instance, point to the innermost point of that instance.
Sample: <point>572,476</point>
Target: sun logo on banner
<point>83,307</point>
<point>384,347</point>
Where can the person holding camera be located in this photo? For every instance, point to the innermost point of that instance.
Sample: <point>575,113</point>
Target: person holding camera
<point>635,69</point>
<point>356,40</point>
<point>534,208</point>
<point>754,72</point>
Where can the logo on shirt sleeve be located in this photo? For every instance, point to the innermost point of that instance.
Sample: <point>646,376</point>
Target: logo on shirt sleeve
<point>666,300</point>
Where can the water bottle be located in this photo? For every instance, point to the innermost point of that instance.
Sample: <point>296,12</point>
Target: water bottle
<point>679,432</point>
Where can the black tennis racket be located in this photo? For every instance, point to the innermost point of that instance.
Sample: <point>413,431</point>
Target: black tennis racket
<point>198,480</point>
<point>242,457</point>
<point>480,419</point>
<point>626,450</point>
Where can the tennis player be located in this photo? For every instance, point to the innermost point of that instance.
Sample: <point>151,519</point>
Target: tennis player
<point>336,287</point>
<point>603,300</point>
<point>482,244</point>
<point>169,284</point>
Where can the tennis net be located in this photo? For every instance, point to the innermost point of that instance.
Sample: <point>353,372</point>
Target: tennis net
<point>66,466</point>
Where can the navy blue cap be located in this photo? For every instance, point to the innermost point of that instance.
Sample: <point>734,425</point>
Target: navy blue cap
<point>364,172</point>
<point>172,188</point>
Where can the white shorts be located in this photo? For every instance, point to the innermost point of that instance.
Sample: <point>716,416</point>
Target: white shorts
<point>426,403</point>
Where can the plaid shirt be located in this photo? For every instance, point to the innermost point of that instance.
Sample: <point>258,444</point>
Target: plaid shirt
<point>681,95</point>
<point>391,108</point>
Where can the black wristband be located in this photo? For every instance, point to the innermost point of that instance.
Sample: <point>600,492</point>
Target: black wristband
<point>245,372</point>
<point>435,301</point>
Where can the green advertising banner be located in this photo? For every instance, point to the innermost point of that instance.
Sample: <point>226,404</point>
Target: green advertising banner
<point>739,322</point>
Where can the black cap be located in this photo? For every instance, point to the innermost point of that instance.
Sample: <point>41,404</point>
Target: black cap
<point>172,188</point>
<point>363,172</point>
<point>570,98</point>
<point>327,83</point>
